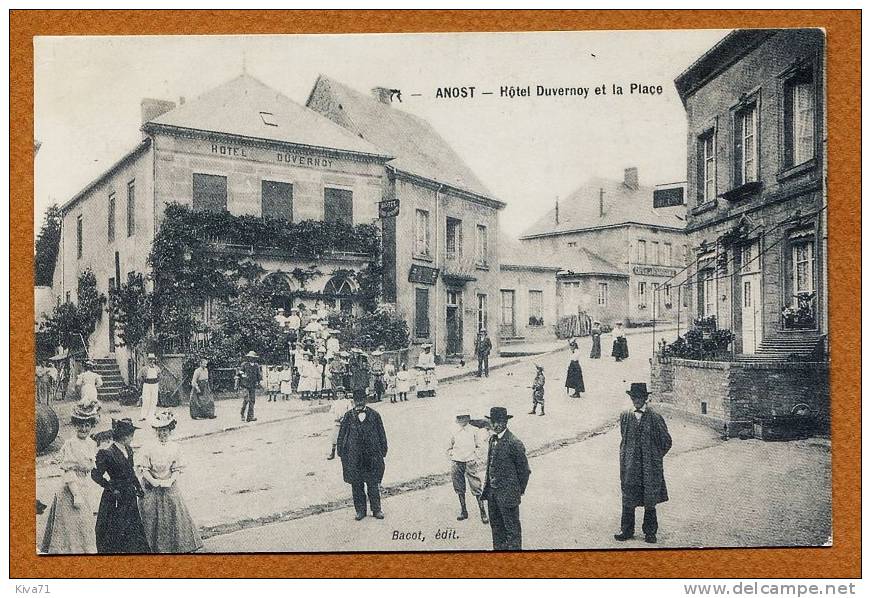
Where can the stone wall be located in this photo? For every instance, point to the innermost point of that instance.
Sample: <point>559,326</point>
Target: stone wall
<point>735,393</point>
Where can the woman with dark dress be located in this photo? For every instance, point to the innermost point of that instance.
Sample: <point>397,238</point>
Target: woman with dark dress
<point>119,525</point>
<point>202,404</point>
<point>575,376</point>
<point>620,349</point>
<point>596,334</point>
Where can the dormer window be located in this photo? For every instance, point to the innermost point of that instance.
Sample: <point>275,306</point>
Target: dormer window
<point>268,119</point>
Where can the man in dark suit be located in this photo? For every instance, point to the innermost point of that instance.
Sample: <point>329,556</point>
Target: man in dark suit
<point>507,475</point>
<point>249,378</point>
<point>362,446</point>
<point>644,442</point>
<point>483,346</point>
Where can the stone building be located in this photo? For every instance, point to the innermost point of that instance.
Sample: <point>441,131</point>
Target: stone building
<point>756,220</point>
<point>616,241</point>
<point>241,147</point>
<point>441,256</point>
<point>756,216</point>
<point>528,293</point>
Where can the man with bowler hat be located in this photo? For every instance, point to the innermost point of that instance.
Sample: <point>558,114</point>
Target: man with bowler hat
<point>644,442</point>
<point>507,475</point>
<point>362,445</point>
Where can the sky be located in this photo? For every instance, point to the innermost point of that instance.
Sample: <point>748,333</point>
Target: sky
<point>527,150</point>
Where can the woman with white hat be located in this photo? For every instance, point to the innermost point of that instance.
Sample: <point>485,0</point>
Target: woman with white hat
<point>150,379</point>
<point>168,525</point>
<point>71,522</point>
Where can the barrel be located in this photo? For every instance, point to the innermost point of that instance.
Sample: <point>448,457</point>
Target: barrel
<point>47,427</point>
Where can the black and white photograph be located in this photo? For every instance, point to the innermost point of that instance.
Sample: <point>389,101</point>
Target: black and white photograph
<point>359,293</point>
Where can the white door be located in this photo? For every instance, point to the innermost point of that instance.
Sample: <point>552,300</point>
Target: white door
<point>751,312</point>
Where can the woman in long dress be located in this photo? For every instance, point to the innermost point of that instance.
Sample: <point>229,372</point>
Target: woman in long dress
<point>88,382</point>
<point>596,334</point>
<point>620,349</point>
<point>202,403</point>
<point>574,375</point>
<point>69,528</point>
<point>168,525</point>
<point>307,373</point>
<point>119,525</point>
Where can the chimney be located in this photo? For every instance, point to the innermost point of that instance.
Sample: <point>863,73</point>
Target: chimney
<point>152,108</point>
<point>382,94</point>
<point>556,211</point>
<point>630,177</point>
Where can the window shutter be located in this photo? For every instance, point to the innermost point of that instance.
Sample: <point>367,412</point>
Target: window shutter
<point>788,148</point>
<point>421,313</point>
<point>276,200</point>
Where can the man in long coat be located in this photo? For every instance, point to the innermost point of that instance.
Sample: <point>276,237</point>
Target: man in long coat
<point>644,442</point>
<point>483,346</point>
<point>358,368</point>
<point>507,475</point>
<point>362,446</point>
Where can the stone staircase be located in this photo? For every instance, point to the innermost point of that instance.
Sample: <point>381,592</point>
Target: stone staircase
<point>786,345</point>
<point>108,369</point>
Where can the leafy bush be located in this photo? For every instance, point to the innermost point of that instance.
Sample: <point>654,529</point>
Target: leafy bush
<point>68,320</point>
<point>47,245</point>
<point>373,329</point>
<point>700,344</point>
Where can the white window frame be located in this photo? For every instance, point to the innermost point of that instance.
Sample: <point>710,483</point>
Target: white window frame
<point>808,261</point>
<point>746,141</point>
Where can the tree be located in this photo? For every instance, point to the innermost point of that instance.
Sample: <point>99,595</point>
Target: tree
<point>69,320</point>
<point>131,307</point>
<point>246,322</point>
<point>47,245</point>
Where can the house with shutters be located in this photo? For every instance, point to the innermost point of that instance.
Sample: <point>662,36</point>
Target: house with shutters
<point>619,244</point>
<point>441,251</point>
<point>242,147</point>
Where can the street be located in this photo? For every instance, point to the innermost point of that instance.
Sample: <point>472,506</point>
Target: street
<point>269,487</point>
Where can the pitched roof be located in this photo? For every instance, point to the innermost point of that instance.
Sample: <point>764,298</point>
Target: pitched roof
<point>515,253</point>
<point>418,149</point>
<point>238,106</point>
<point>588,262</point>
<point>622,205</point>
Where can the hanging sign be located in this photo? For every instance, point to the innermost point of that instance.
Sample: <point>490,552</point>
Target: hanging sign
<point>388,208</point>
<point>423,274</point>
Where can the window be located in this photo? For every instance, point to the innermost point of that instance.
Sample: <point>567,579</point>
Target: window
<point>79,240</point>
<point>686,254</point>
<point>481,245</point>
<point>654,250</point>
<point>209,193</point>
<point>338,205</point>
<point>507,319</point>
<point>340,287</point>
<point>421,313</point>
<point>421,232</point>
<point>536,308</point>
<point>746,159</point>
<point>707,188</point>
<point>750,258</point>
<point>642,293</point>
<point>666,257</point>
<point>482,311</point>
<point>276,200</point>
<point>641,258</point>
<point>667,293</point>
<point>803,267</point>
<point>131,208</point>
<point>110,234</point>
<point>68,297</point>
<point>602,294</point>
<point>799,119</point>
<point>453,238</point>
<point>707,293</point>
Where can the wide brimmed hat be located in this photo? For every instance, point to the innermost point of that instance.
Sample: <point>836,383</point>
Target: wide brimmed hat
<point>463,412</point>
<point>498,414</point>
<point>251,354</point>
<point>293,309</point>
<point>344,354</point>
<point>163,419</point>
<point>86,411</point>
<point>312,327</point>
<point>638,389</point>
<point>280,309</point>
<point>123,427</point>
<point>356,350</point>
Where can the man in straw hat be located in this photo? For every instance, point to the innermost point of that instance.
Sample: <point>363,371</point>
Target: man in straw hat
<point>507,476</point>
<point>465,450</point>
<point>644,442</point>
<point>149,379</point>
<point>249,378</point>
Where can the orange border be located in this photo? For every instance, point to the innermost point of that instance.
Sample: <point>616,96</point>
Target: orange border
<point>844,97</point>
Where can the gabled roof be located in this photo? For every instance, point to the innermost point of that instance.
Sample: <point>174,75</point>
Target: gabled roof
<point>238,106</point>
<point>418,149</point>
<point>622,206</point>
<point>513,253</point>
<point>587,262</point>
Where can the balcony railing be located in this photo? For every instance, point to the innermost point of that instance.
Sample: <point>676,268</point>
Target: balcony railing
<point>458,267</point>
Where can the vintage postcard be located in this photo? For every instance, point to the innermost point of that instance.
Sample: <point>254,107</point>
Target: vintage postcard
<point>431,292</point>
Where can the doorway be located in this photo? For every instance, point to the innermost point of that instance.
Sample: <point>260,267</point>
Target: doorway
<point>454,322</point>
<point>508,328</point>
<point>751,299</point>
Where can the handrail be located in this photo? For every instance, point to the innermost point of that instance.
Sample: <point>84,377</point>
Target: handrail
<point>84,345</point>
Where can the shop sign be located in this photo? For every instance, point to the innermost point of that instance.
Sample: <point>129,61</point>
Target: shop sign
<point>653,271</point>
<point>423,274</point>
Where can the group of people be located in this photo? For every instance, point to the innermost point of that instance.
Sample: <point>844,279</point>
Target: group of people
<point>575,373</point>
<point>141,509</point>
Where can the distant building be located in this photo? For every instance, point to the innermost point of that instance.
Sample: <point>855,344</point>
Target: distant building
<point>441,260</point>
<point>756,214</point>
<point>616,245</point>
<point>528,293</point>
